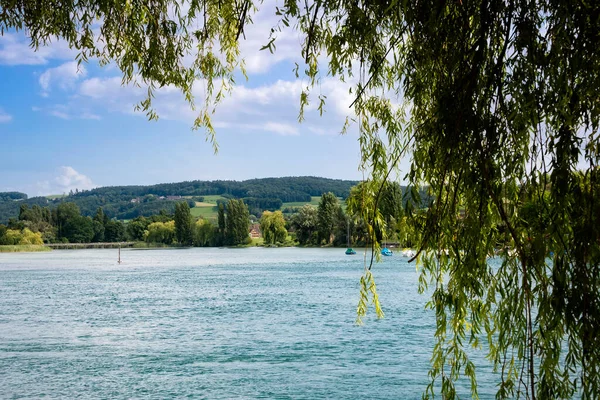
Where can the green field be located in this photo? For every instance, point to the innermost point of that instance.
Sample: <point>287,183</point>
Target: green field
<point>212,198</point>
<point>207,209</point>
<point>314,201</point>
<point>55,196</point>
<point>204,212</point>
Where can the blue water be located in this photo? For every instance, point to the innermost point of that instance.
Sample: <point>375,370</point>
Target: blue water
<point>210,323</point>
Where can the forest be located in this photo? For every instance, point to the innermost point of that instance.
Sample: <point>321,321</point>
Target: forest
<point>128,202</point>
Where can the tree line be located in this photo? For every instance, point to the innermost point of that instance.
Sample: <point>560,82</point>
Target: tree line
<point>129,202</point>
<point>332,222</point>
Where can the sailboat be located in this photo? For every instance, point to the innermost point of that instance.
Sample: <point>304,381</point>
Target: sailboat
<point>349,251</point>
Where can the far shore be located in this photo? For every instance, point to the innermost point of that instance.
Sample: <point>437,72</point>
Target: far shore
<point>22,248</point>
<point>142,245</point>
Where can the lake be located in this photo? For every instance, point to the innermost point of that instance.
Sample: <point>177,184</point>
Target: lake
<point>211,323</point>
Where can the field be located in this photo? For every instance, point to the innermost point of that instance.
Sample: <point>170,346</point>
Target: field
<point>207,209</point>
<point>314,201</point>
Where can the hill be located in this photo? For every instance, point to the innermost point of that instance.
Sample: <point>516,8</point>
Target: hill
<point>127,202</point>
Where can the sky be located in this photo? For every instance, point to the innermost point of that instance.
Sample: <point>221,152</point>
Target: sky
<point>64,127</point>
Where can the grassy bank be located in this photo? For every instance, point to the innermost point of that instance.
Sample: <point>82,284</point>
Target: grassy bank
<point>23,248</point>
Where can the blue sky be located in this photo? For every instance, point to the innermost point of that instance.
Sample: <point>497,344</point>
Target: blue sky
<point>62,128</point>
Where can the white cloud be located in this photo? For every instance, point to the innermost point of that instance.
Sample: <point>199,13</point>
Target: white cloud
<point>67,111</point>
<point>15,49</point>
<point>281,129</point>
<point>63,76</point>
<point>67,179</point>
<point>271,107</point>
<point>59,114</point>
<point>70,179</point>
<point>89,115</point>
<point>4,117</point>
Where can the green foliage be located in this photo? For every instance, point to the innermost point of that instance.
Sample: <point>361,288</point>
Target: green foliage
<point>12,196</point>
<point>61,216</point>
<point>130,202</point>
<point>136,227</point>
<point>78,229</point>
<point>161,232</point>
<point>272,226</point>
<point>326,216</point>
<point>183,224</point>
<point>305,223</point>
<point>98,225</point>
<point>114,231</point>
<point>221,230</point>
<point>499,107</point>
<point>237,223</point>
<point>367,289</point>
<point>204,233</point>
<point>12,237</point>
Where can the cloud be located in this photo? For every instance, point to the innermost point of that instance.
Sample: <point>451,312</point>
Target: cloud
<point>271,107</point>
<point>63,76</point>
<point>281,129</point>
<point>15,49</point>
<point>70,179</point>
<point>4,117</point>
<point>67,179</point>
<point>67,111</point>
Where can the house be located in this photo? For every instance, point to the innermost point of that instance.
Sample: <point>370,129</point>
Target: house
<point>255,231</point>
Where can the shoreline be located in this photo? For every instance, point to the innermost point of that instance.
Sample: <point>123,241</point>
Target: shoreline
<point>24,248</point>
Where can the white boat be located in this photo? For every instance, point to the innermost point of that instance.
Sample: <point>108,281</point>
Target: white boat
<point>409,253</point>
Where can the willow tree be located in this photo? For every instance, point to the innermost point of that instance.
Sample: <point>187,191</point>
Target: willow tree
<point>494,101</point>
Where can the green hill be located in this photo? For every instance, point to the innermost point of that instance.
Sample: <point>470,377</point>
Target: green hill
<point>127,202</point>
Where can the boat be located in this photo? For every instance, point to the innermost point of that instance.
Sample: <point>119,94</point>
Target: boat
<point>386,252</point>
<point>349,251</point>
<point>409,253</point>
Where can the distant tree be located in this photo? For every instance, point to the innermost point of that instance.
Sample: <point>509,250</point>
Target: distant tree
<point>29,237</point>
<point>161,232</point>
<point>98,225</point>
<point>11,237</point>
<point>238,222</point>
<point>61,216</point>
<point>305,223</point>
<point>78,229</point>
<point>3,230</point>
<point>136,227</point>
<point>326,214</point>
<point>341,227</point>
<point>221,225</point>
<point>183,224</point>
<point>272,226</point>
<point>11,196</point>
<point>100,216</point>
<point>204,233</point>
<point>98,231</point>
<point>384,205</point>
<point>114,231</point>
